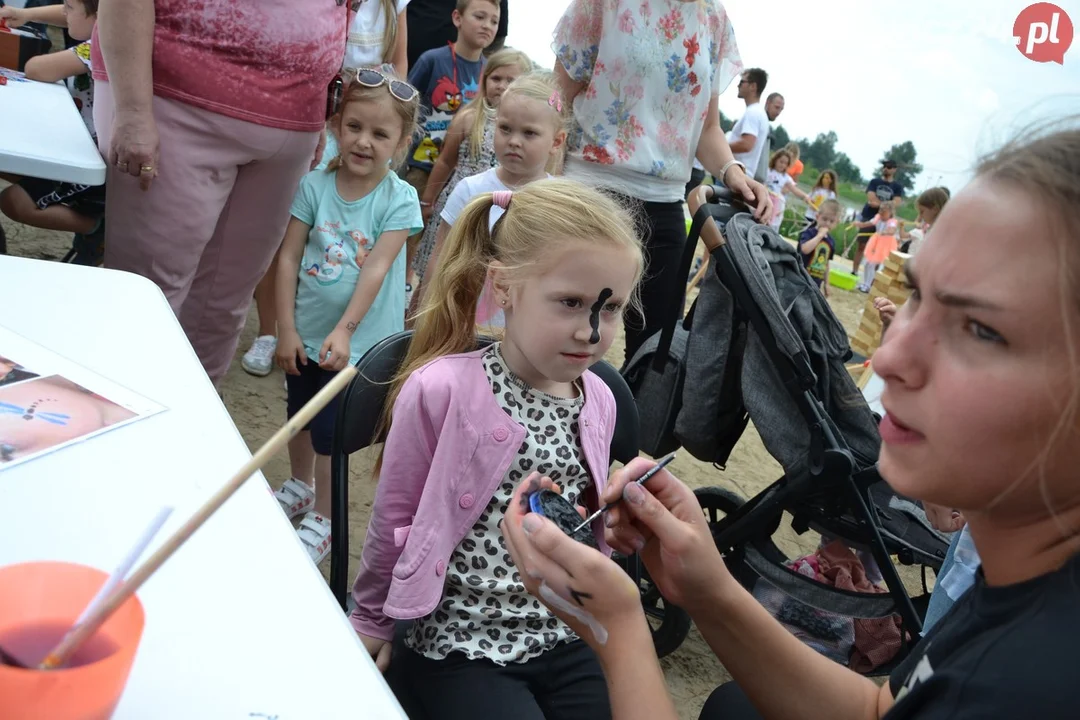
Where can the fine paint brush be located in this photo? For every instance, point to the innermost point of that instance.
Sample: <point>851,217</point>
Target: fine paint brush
<point>131,585</point>
<point>640,481</point>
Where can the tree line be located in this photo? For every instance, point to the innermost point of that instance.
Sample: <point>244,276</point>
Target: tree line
<point>821,153</point>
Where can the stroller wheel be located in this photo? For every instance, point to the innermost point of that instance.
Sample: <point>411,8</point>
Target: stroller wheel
<point>669,623</point>
<point>717,503</point>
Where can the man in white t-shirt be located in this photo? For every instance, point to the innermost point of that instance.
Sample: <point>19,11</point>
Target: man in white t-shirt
<point>774,105</point>
<point>752,128</point>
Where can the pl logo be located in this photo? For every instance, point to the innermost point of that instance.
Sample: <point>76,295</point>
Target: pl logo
<point>1043,32</point>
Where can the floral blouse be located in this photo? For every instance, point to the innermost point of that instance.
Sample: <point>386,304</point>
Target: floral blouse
<point>650,67</point>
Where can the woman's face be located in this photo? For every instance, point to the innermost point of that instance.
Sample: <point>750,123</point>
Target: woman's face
<point>977,372</point>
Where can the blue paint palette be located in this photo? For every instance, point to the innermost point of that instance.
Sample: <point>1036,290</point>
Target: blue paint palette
<point>563,513</point>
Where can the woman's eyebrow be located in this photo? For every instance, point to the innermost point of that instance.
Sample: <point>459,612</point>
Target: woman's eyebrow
<point>953,299</point>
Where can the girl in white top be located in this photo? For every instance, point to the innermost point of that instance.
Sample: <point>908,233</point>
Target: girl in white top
<point>372,40</point>
<point>469,145</point>
<point>643,78</point>
<point>824,189</point>
<point>529,136</point>
<point>780,184</point>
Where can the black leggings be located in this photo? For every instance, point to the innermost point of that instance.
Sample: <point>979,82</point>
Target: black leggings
<point>664,286</point>
<point>728,702</point>
<point>565,683</point>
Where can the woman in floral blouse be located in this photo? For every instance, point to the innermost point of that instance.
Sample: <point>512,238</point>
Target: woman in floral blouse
<point>643,78</point>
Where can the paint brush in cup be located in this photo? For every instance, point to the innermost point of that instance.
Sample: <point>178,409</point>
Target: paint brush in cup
<point>640,481</point>
<point>131,585</point>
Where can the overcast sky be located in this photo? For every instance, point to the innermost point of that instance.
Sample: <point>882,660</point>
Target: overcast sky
<point>944,74</point>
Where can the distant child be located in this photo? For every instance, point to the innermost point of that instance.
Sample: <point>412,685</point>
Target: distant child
<point>447,78</point>
<point>469,145</point>
<point>49,204</point>
<point>881,244</point>
<point>929,205</point>
<point>377,38</point>
<point>340,273</point>
<point>467,426</point>
<point>818,246</point>
<point>529,133</point>
<point>780,184</point>
<point>824,189</point>
<point>796,168</point>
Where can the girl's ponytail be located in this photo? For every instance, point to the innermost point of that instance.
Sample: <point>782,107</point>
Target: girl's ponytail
<point>446,321</point>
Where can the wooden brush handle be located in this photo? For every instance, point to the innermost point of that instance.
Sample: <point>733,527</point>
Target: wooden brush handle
<point>131,585</point>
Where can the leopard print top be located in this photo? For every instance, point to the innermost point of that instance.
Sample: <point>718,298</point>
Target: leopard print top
<point>485,611</point>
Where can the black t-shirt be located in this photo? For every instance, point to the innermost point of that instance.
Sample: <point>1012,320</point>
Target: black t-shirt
<point>431,25</point>
<point>890,190</point>
<point>1004,652</point>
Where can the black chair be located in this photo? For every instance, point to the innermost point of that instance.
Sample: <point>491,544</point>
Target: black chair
<point>357,427</point>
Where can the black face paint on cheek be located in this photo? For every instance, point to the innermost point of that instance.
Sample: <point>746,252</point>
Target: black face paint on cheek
<point>594,315</point>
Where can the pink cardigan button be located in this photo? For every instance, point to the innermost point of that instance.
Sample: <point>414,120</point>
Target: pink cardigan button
<point>465,501</point>
<point>440,568</point>
<point>500,434</point>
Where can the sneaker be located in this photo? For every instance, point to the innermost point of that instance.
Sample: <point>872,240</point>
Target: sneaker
<point>259,359</point>
<point>314,533</point>
<point>296,497</point>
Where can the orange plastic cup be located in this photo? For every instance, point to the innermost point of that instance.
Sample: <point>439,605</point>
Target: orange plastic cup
<point>39,602</point>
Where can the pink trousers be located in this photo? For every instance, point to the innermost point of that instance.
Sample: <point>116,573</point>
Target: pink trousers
<point>210,224</point>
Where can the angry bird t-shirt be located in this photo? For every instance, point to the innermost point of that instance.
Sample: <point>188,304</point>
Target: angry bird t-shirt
<point>446,81</point>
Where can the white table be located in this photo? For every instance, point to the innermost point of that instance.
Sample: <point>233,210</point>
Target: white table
<point>43,135</point>
<point>239,621</point>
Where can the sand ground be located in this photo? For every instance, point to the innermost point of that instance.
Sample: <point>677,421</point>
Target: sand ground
<point>257,406</point>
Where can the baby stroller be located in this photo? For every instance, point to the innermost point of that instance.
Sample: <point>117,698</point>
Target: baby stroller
<point>761,343</point>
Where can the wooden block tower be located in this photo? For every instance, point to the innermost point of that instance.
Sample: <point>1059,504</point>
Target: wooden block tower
<point>888,283</point>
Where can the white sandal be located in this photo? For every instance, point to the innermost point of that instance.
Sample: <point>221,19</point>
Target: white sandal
<point>314,532</point>
<point>296,497</point>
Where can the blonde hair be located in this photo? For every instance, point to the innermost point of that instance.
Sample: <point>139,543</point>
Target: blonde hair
<point>887,205</point>
<point>479,106</point>
<point>542,86</point>
<point>541,217</point>
<point>1044,165</point>
<point>830,206</point>
<point>776,156</point>
<point>408,113</point>
<point>390,33</point>
<point>793,150</point>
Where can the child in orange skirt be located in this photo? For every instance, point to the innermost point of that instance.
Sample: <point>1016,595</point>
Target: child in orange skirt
<point>881,244</point>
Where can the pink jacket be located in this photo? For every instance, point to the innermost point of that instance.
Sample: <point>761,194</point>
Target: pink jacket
<point>447,452</point>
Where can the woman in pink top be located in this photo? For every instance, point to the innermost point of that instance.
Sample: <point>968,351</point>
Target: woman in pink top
<point>208,113</point>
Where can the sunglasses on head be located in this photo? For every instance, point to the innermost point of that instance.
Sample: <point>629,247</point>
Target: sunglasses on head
<point>369,78</point>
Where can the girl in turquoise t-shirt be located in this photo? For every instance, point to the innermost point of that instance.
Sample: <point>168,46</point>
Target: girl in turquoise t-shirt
<point>341,275</point>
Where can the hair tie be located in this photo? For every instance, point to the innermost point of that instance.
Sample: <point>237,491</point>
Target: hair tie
<point>502,198</point>
<point>555,100</point>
